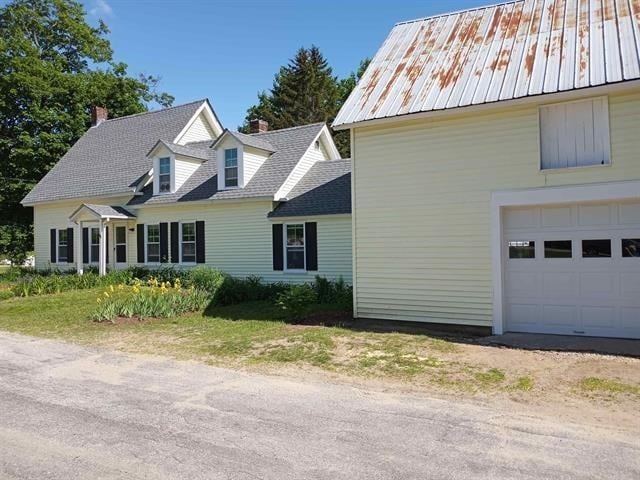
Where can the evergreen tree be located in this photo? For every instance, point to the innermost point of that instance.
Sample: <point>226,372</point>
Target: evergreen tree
<point>53,67</point>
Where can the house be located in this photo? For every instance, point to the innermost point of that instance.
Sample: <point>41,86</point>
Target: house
<point>174,188</point>
<point>496,170</point>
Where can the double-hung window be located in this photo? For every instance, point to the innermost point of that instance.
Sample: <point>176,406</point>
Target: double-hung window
<point>95,245</point>
<point>153,243</point>
<point>188,242</point>
<point>63,245</point>
<point>575,134</point>
<point>294,247</point>
<point>164,175</point>
<point>231,167</point>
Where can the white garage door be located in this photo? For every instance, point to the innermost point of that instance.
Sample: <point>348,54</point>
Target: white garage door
<point>573,269</point>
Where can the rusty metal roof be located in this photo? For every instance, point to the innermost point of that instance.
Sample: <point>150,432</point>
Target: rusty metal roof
<point>495,53</point>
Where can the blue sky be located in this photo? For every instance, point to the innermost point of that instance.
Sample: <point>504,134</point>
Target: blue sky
<point>229,50</point>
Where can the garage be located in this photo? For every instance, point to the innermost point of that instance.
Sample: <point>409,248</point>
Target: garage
<point>572,269</point>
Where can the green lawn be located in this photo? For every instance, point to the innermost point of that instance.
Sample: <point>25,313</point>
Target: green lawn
<point>254,335</point>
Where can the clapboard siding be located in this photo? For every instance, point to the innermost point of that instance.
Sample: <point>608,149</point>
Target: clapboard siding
<point>198,131</point>
<point>312,155</point>
<point>238,239</point>
<point>422,205</point>
<point>252,160</point>
<point>184,168</point>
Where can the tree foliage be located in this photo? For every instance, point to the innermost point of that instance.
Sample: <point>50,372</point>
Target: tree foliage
<point>305,91</point>
<point>53,67</point>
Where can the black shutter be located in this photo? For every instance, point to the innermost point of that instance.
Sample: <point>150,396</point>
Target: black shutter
<point>311,245</point>
<point>85,245</point>
<point>106,241</point>
<point>53,244</point>
<point>70,255</point>
<point>200,241</point>
<point>140,239</point>
<point>278,260</point>
<point>164,242</point>
<point>175,253</point>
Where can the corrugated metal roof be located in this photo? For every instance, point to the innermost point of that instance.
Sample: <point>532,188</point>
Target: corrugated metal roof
<point>501,52</point>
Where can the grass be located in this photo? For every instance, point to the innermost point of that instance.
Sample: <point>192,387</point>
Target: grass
<point>608,387</point>
<point>254,334</point>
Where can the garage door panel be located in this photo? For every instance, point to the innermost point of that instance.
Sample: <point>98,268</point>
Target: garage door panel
<point>597,284</point>
<point>585,294</point>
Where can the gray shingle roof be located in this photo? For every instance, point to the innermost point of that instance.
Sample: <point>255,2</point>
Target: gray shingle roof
<point>190,150</point>
<point>110,211</point>
<point>290,144</point>
<point>111,158</point>
<point>324,190</point>
<point>250,140</point>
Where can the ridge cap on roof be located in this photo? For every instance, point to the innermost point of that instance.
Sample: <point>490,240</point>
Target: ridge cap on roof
<point>155,111</point>
<point>284,129</point>
<point>458,12</point>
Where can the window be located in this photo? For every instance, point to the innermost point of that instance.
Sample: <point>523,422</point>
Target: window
<point>522,249</point>
<point>596,248</point>
<point>188,243</point>
<point>121,244</point>
<point>574,134</point>
<point>164,175</point>
<point>95,245</point>
<point>63,245</point>
<point>631,247</point>
<point>294,246</point>
<point>231,167</point>
<point>557,249</point>
<point>153,243</point>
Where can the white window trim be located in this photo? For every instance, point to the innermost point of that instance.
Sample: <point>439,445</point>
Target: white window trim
<point>156,174</point>
<point>115,244</point>
<point>598,192</point>
<point>224,163</point>
<point>182,262</point>
<point>304,247</point>
<point>66,260</point>
<point>544,171</point>
<point>146,244</point>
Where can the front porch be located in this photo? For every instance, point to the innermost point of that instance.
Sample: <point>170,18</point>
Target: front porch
<point>104,231</point>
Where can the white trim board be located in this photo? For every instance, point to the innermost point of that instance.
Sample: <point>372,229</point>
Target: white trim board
<point>599,192</point>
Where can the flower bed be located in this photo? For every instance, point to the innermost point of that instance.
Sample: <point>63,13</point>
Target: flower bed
<point>152,299</point>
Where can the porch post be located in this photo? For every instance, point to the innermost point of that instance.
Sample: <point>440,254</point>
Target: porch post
<point>102,269</point>
<point>78,244</point>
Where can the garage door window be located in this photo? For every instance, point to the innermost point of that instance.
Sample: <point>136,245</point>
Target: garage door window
<point>631,247</point>
<point>596,248</point>
<point>522,249</point>
<point>557,249</point>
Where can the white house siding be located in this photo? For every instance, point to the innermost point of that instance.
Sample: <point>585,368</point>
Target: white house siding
<point>238,239</point>
<point>252,160</point>
<point>197,132</point>
<point>184,168</point>
<point>56,215</point>
<point>312,155</point>
<point>422,205</point>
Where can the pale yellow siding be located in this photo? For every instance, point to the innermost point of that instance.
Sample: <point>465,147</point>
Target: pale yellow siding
<point>184,168</point>
<point>252,160</point>
<point>56,215</point>
<point>422,205</point>
<point>238,239</point>
<point>198,131</point>
<point>312,155</point>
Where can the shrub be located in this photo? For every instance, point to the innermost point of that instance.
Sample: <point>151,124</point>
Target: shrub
<point>153,300</point>
<point>296,301</point>
<point>337,293</point>
<point>204,278</point>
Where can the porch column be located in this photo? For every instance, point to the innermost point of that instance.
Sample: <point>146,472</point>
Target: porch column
<point>78,245</point>
<point>102,268</point>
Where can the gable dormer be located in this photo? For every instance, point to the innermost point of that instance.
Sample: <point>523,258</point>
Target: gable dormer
<point>239,157</point>
<point>173,165</point>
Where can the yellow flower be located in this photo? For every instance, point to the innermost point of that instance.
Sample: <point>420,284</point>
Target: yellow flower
<point>121,287</point>
<point>177,284</point>
<point>136,289</point>
<point>111,288</point>
<point>106,294</point>
<point>98,300</point>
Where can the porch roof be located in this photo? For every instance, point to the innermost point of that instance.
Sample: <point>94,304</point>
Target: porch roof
<point>103,211</point>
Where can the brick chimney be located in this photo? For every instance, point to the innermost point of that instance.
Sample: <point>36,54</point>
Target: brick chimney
<point>98,115</point>
<point>258,126</point>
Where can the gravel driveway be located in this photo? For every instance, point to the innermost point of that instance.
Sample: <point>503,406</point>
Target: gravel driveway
<point>73,412</point>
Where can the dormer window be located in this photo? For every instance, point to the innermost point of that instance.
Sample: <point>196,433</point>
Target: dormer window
<point>164,175</point>
<point>231,167</point>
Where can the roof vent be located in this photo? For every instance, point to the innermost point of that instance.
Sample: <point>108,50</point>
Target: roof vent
<point>258,126</point>
<point>98,115</point>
